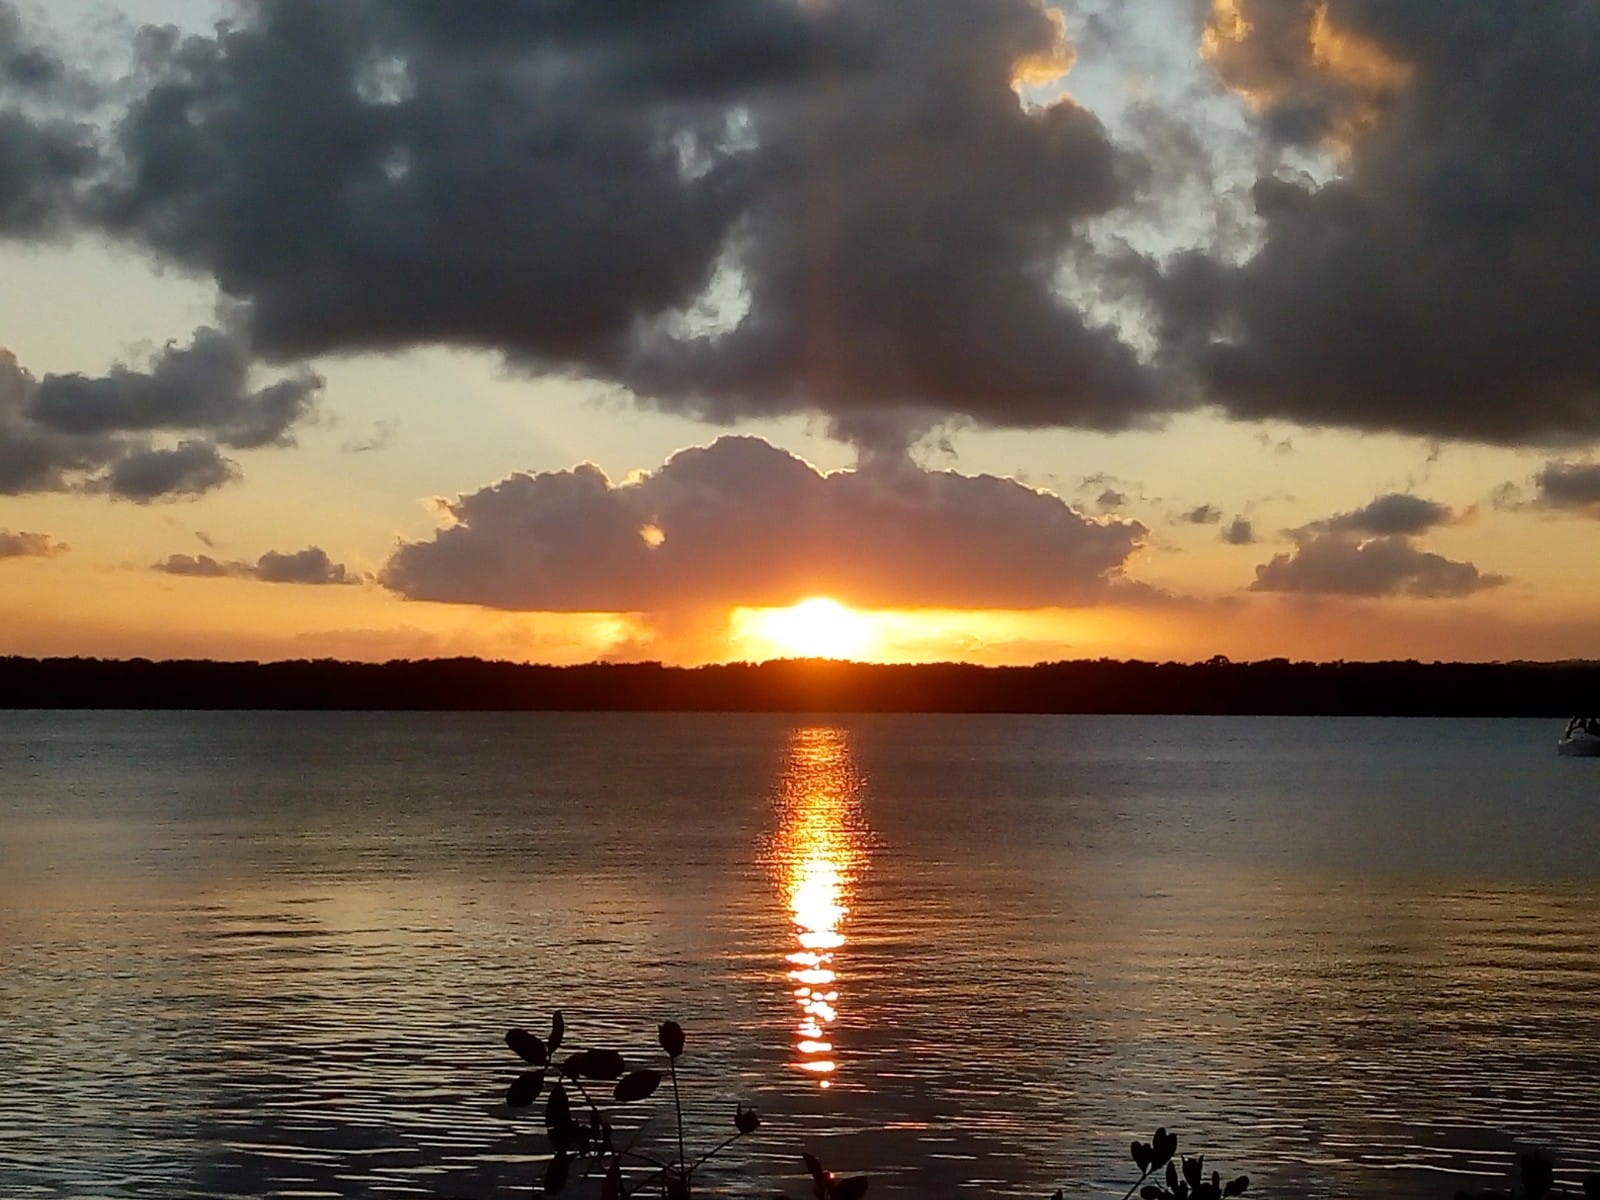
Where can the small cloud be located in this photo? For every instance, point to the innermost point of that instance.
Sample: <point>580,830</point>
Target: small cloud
<point>200,566</point>
<point>29,545</point>
<point>310,566</point>
<point>1573,487</point>
<point>1395,513</point>
<point>1204,514</point>
<point>1110,500</point>
<point>191,469</point>
<point>379,437</point>
<point>1238,532</point>
<point>1270,441</point>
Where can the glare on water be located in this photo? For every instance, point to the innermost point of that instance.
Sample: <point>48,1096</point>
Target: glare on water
<point>820,851</point>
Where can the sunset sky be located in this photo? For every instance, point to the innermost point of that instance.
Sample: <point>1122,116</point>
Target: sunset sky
<point>564,330</point>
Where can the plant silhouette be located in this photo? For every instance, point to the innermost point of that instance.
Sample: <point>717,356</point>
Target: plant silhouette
<point>584,1138</point>
<point>583,1135</point>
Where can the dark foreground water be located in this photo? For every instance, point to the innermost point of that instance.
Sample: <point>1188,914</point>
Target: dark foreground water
<point>274,954</point>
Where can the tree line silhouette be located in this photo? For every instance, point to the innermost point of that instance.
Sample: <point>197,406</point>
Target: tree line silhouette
<point>1217,686</point>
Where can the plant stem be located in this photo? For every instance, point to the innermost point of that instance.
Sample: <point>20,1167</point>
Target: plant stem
<point>677,1103</point>
<point>715,1150</point>
<point>1127,1194</point>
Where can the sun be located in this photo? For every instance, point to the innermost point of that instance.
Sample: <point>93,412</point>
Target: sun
<point>815,628</point>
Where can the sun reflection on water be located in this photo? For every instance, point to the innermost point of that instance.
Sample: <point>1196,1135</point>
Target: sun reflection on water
<point>820,851</point>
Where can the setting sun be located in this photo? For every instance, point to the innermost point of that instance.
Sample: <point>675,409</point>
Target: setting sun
<point>814,628</point>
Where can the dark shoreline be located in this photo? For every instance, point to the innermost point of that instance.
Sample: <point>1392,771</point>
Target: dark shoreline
<point>1217,687</point>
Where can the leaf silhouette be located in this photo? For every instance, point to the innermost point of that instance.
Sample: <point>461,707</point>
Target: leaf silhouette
<point>819,1173</point>
<point>555,1173</point>
<point>525,1089</point>
<point>670,1035</point>
<point>528,1047</point>
<point>851,1189</point>
<point>636,1085</point>
<point>1236,1187</point>
<point>594,1064</point>
<point>557,1109</point>
<point>1163,1146</point>
<point>558,1029</point>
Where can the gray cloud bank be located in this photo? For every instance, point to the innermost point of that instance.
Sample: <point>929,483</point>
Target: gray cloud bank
<point>97,434</point>
<point>1443,283</point>
<point>752,207</point>
<point>742,522</point>
<point>310,566</point>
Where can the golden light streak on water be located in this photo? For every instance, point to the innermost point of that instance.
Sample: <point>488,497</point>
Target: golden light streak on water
<point>820,852</point>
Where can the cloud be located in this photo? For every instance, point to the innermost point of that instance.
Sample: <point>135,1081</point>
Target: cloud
<point>45,157</point>
<point>1440,285</point>
<point>97,433</point>
<point>1371,551</point>
<point>744,208</point>
<point>310,566</point>
<point>1337,564</point>
<point>736,208</point>
<point>1204,514</point>
<point>188,469</point>
<point>741,522</point>
<point>1574,486</point>
<point>29,545</point>
<point>203,386</point>
<point>200,566</point>
<point>379,437</point>
<point>1395,512</point>
<point>1238,532</point>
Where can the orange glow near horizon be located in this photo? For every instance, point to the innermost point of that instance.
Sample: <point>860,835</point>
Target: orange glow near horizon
<point>819,852</point>
<point>818,627</point>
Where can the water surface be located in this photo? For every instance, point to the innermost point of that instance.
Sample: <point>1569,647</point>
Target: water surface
<point>272,954</point>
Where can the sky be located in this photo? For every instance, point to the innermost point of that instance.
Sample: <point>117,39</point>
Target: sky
<point>981,330</point>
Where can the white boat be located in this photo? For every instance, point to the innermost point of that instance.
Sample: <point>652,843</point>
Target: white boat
<point>1581,738</point>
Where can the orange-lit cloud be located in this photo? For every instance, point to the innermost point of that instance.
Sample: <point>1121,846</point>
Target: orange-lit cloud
<point>741,522</point>
<point>1313,80</point>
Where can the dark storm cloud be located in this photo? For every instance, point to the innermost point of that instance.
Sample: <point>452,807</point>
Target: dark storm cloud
<point>1570,486</point>
<point>564,183</point>
<point>1443,284</point>
<point>1334,564</point>
<point>742,522</point>
<point>29,545</point>
<point>310,566</point>
<point>751,207</point>
<point>82,433</point>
